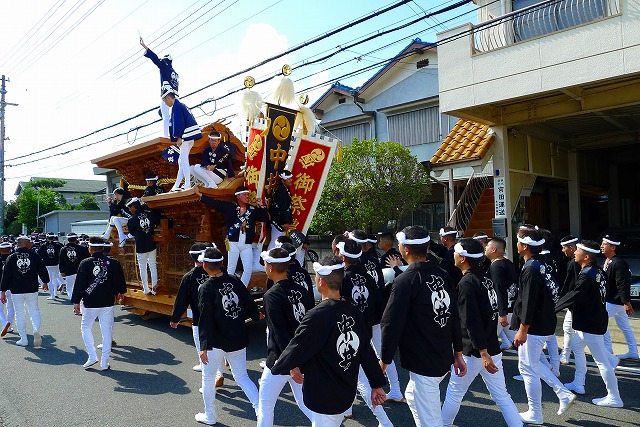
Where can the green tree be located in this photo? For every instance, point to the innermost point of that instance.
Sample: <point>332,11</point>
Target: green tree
<point>88,203</point>
<point>11,211</point>
<point>375,182</point>
<point>38,190</point>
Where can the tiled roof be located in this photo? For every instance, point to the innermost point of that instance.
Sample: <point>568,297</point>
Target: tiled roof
<point>337,86</point>
<point>73,185</point>
<point>467,141</point>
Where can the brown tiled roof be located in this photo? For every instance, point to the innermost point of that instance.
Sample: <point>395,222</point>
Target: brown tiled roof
<point>467,141</point>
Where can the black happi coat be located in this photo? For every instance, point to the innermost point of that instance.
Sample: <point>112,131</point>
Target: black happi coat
<point>421,318</point>
<point>285,305</point>
<point>187,295</point>
<point>587,301</point>
<point>224,304</point>
<point>329,346</point>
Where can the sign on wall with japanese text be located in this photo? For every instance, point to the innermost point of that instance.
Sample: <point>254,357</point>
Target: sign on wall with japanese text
<point>500,197</point>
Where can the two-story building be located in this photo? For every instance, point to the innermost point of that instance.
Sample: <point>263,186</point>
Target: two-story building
<point>557,85</point>
<point>397,103</point>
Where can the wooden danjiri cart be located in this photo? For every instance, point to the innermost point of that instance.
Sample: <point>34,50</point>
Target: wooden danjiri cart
<point>186,220</point>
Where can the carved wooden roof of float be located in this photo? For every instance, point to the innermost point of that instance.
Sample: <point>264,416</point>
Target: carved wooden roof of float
<point>134,162</point>
<point>467,141</point>
<point>226,191</point>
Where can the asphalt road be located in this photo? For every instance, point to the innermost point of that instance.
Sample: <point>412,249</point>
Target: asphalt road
<point>152,384</point>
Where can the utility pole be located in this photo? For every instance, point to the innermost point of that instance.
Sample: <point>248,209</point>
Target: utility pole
<point>3,92</point>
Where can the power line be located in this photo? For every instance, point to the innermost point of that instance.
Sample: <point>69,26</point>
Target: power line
<point>27,52</point>
<point>360,71</point>
<point>172,25</point>
<point>291,50</point>
<point>182,29</point>
<point>357,72</point>
<point>36,26</point>
<point>62,37</point>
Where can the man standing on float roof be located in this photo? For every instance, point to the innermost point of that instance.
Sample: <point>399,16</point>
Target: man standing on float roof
<point>168,80</point>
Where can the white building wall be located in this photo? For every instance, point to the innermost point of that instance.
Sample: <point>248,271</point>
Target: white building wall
<point>596,51</point>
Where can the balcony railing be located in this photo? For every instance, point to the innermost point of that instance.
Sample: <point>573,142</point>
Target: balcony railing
<point>540,19</point>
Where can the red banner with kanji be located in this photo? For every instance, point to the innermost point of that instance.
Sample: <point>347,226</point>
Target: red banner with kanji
<point>255,168</point>
<point>312,160</point>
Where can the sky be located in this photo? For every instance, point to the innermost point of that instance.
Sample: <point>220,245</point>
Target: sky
<point>76,66</point>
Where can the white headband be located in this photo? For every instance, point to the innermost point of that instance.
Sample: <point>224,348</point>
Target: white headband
<point>325,270</point>
<point>568,242</point>
<point>285,176</point>
<point>461,251</point>
<point>211,136</point>
<point>102,245</point>
<point>372,240</point>
<point>588,249</point>
<point>482,236</point>
<point>202,258</point>
<point>213,245</point>
<point>355,239</point>
<point>402,238</point>
<point>154,178</point>
<point>237,193</point>
<point>611,242</point>
<point>530,242</point>
<point>545,251</point>
<point>445,233</point>
<point>5,245</point>
<point>271,260</point>
<point>131,201</point>
<point>340,247</point>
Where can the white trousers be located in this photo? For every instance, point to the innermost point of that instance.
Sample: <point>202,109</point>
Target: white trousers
<point>183,165</point>
<point>270,388</point>
<point>423,397</point>
<point>210,179</point>
<point>165,111</point>
<point>55,280</point>
<point>505,334</point>
<point>238,364</point>
<point>392,372</point>
<point>365,392</point>
<point>553,362</point>
<point>105,318</point>
<point>243,251</point>
<point>495,383</point>
<point>622,320</point>
<point>118,222</point>
<point>532,371</point>
<point>275,233</point>
<point>604,360</point>
<point>148,259</point>
<point>257,250</point>
<point>71,282</point>
<point>10,310</point>
<point>29,300</point>
<point>196,341</point>
<point>324,420</point>
<point>567,327</point>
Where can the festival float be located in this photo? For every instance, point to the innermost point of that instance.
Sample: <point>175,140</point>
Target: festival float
<point>281,135</point>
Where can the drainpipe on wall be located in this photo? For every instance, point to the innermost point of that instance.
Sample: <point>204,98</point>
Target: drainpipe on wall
<point>372,114</point>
